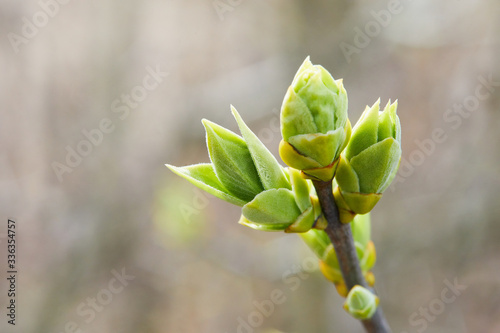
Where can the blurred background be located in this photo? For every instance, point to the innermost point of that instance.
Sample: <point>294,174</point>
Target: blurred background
<point>98,95</point>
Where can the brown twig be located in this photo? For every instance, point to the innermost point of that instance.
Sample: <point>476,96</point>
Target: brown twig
<point>341,236</point>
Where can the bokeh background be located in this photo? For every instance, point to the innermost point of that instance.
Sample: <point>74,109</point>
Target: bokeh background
<point>67,68</point>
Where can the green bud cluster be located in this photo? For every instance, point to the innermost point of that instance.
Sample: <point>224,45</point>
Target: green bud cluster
<point>370,161</point>
<point>314,122</point>
<point>317,141</point>
<point>243,172</point>
<point>318,145</point>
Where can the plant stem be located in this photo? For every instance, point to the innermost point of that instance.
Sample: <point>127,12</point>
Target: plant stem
<point>341,236</point>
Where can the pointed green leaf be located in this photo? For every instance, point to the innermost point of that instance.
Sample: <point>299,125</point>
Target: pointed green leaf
<point>384,186</point>
<point>272,206</point>
<point>386,126</point>
<point>334,85</point>
<point>374,165</point>
<point>346,177</point>
<point>306,66</point>
<point>232,162</point>
<point>303,223</point>
<point>300,189</point>
<point>341,105</point>
<point>365,132</point>
<point>270,172</point>
<point>295,116</point>
<point>203,176</point>
<point>398,126</point>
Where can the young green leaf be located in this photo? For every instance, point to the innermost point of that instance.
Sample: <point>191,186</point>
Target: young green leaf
<point>275,206</point>
<point>270,172</point>
<point>232,162</point>
<point>375,164</point>
<point>300,189</point>
<point>203,176</point>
